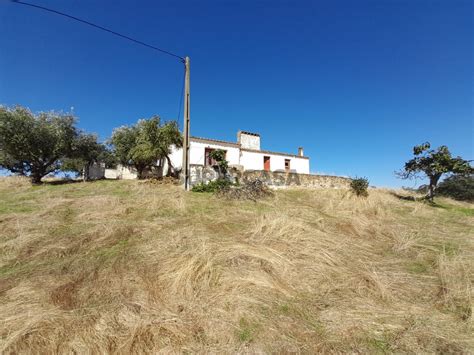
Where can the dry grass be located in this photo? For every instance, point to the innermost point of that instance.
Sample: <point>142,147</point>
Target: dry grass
<point>124,266</point>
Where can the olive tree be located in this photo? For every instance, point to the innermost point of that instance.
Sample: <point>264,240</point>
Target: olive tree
<point>169,136</point>
<point>123,141</point>
<point>146,142</point>
<point>433,163</point>
<point>85,151</point>
<point>34,145</point>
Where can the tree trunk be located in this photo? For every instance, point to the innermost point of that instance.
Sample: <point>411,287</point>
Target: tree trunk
<point>161,169</point>
<point>85,173</point>
<point>35,177</point>
<point>170,166</point>
<point>219,172</point>
<point>432,188</point>
<point>140,170</point>
<point>431,192</point>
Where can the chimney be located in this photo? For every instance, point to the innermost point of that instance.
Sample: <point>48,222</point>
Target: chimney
<point>300,151</point>
<point>248,140</point>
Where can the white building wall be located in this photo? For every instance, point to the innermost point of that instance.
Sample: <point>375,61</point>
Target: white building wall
<point>197,154</point>
<point>176,158</point>
<point>254,161</point>
<point>300,165</point>
<point>121,172</point>
<point>249,141</point>
<point>247,159</point>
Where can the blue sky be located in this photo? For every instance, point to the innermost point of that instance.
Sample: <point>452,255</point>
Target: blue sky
<point>356,83</point>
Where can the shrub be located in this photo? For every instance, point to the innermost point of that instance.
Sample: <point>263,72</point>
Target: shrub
<point>359,186</point>
<point>458,187</point>
<point>221,164</point>
<point>211,186</point>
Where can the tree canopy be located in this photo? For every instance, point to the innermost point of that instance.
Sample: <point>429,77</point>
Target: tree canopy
<point>85,151</point>
<point>459,187</point>
<point>34,145</point>
<point>169,136</point>
<point>433,163</point>
<point>222,164</point>
<point>146,142</point>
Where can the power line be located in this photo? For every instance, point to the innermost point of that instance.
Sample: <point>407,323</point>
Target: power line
<point>99,27</point>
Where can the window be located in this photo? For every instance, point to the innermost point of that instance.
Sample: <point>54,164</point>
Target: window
<point>208,161</point>
<point>266,163</point>
<point>287,165</point>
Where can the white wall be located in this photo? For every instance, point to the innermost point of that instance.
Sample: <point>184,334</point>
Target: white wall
<point>249,141</point>
<point>249,160</point>
<point>176,157</point>
<point>300,165</point>
<point>254,161</point>
<point>197,153</point>
<point>121,173</point>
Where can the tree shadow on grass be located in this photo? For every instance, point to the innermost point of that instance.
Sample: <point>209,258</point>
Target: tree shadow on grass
<point>423,199</point>
<point>409,198</point>
<point>64,181</point>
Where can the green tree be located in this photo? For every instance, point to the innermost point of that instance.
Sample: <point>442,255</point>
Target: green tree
<point>459,187</point>
<point>108,157</point>
<point>169,136</point>
<point>433,163</point>
<point>86,150</point>
<point>146,142</point>
<point>34,145</point>
<point>146,151</point>
<point>124,140</point>
<point>221,163</point>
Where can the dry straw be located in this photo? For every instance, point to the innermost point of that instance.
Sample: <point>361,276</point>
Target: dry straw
<point>125,266</point>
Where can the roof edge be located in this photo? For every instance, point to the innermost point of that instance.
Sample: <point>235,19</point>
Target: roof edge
<point>275,153</point>
<point>237,145</point>
<point>210,140</point>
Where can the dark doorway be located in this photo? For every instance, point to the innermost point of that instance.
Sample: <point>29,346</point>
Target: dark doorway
<point>208,161</point>
<point>266,163</point>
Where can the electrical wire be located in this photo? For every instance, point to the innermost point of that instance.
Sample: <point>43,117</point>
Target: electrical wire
<point>99,27</point>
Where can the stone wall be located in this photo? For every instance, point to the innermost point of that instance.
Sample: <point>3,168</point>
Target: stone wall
<point>273,179</point>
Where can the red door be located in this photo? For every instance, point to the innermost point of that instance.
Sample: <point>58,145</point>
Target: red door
<point>266,163</point>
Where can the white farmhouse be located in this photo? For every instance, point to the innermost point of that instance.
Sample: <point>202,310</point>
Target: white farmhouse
<point>245,154</point>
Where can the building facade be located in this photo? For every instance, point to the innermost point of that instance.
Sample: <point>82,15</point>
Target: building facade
<point>245,154</point>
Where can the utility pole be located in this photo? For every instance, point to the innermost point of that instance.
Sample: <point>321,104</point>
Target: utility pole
<point>186,141</point>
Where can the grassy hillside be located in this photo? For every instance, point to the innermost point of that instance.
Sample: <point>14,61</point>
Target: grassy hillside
<point>127,266</point>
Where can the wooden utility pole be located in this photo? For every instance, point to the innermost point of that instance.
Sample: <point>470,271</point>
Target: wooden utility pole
<point>186,141</point>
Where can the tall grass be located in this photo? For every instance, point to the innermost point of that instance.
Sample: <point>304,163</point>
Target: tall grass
<point>125,266</point>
